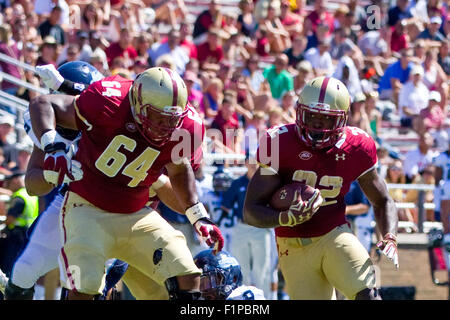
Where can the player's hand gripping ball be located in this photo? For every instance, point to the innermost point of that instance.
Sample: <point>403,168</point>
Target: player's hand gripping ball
<point>297,203</point>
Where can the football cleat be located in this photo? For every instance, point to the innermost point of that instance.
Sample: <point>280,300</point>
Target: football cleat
<point>322,111</point>
<point>158,99</point>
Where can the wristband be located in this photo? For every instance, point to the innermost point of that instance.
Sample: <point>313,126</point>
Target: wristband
<point>196,212</point>
<point>390,236</point>
<point>72,88</point>
<point>48,138</point>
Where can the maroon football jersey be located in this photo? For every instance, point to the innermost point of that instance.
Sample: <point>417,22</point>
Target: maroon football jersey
<point>119,165</point>
<point>331,170</point>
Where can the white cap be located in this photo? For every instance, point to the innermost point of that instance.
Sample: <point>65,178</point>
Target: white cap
<point>436,19</point>
<point>417,69</point>
<point>434,95</point>
<point>6,119</point>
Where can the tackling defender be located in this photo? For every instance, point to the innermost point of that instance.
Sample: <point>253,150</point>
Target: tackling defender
<point>221,278</point>
<point>317,250</point>
<point>125,145</point>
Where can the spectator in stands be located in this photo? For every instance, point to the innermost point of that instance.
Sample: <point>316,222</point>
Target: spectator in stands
<point>373,43</point>
<point>9,47</point>
<point>304,74</point>
<point>31,31</point>
<point>418,159</point>
<point>278,36</point>
<point>292,22</point>
<point>432,117</point>
<point>320,35</point>
<point>396,175</point>
<point>226,121</point>
<point>399,37</point>
<point>400,11</point>
<point>212,98</point>
<point>275,116</point>
<point>171,47</point>
<point>443,57</point>
<point>91,18</point>
<point>413,98</point>
<point>419,51</point>
<point>262,42</point>
<point>247,23</point>
<point>296,52</point>
<point>425,177</point>
<point>123,48</point>
<point>208,19</point>
<point>72,53</point>
<point>288,103</point>
<point>373,113</point>
<point>340,45</point>
<point>96,45</point>
<point>434,77</point>
<point>186,39</point>
<point>252,129</point>
<point>320,58</point>
<point>195,96</point>
<point>48,52</point>
<point>211,50</point>
<point>347,72</point>
<point>395,76</point>
<point>254,75</point>
<point>319,15</point>
<point>7,124</point>
<point>51,27</point>
<point>432,30</point>
<point>358,116</point>
<point>125,20</point>
<point>278,78</point>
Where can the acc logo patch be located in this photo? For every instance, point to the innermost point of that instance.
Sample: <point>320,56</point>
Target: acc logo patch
<point>131,127</point>
<point>305,155</point>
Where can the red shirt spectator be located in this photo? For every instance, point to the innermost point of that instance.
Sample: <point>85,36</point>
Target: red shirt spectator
<point>226,121</point>
<point>399,39</point>
<point>210,51</point>
<point>320,15</point>
<point>122,48</point>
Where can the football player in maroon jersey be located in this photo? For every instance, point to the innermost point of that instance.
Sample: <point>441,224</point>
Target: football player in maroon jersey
<point>320,252</point>
<point>132,131</point>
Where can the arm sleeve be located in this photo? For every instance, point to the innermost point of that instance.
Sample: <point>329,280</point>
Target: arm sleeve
<point>72,88</point>
<point>17,207</point>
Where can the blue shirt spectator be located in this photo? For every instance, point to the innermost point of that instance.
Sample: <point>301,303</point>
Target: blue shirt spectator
<point>361,221</point>
<point>400,11</point>
<point>395,70</point>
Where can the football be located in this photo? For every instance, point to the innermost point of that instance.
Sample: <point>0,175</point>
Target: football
<point>281,200</point>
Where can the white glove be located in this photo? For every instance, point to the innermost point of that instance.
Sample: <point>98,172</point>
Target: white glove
<point>389,248</point>
<point>75,169</point>
<point>50,76</point>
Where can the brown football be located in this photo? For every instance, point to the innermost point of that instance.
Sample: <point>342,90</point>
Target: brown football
<point>282,199</point>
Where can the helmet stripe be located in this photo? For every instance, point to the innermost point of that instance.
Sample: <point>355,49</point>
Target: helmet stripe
<point>323,89</point>
<point>174,87</point>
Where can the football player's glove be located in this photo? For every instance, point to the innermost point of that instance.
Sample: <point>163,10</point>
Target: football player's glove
<point>53,177</point>
<point>205,228</point>
<point>388,247</point>
<point>300,211</point>
<point>57,158</point>
<point>50,76</point>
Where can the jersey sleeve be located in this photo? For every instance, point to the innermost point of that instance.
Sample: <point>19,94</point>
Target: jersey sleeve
<point>367,153</point>
<point>268,154</point>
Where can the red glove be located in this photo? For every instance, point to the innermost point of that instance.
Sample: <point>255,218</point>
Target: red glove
<point>59,162</point>
<point>210,233</point>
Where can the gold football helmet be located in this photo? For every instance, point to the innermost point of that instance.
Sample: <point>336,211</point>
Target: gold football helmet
<point>322,110</point>
<point>158,99</point>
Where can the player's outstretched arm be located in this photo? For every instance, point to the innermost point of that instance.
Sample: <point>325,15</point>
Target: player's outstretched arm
<point>48,110</point>
<point>183,184</point>
<point>385,212</point>
<point>165,193</point>
<point>259,191</point>
<point>34,179</point>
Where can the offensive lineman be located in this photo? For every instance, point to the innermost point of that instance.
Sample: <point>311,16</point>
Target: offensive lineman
<point>316,248</point>
<point>41,252</point>
<point>125,145</point>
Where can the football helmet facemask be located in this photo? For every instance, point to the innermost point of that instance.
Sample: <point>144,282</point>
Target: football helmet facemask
<point>158,99</point>
<point>221,274</point>
<point>322,111</point>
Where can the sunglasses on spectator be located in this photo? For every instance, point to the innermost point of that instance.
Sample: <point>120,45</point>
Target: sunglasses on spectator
<point>395,168</point>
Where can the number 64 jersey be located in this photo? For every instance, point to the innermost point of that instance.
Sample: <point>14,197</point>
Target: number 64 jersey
<point>330,170</point>
<point>119,164</point>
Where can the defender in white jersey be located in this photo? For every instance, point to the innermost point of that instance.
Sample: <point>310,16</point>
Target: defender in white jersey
<point>221,278</point>
<point>212,199</point>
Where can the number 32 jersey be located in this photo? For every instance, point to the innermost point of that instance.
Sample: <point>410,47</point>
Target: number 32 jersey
<point>119,165</point>
<point>331,171</point>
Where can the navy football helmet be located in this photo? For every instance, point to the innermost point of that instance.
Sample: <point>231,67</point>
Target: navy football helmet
<point>221,274</point>
<point>222,180</point>
<point>80,72</point>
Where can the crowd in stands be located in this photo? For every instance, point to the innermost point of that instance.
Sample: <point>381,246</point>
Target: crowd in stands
<point>244,62</point>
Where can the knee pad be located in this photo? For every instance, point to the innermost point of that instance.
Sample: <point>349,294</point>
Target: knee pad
<point>13,292</point>
<point>176,294</point>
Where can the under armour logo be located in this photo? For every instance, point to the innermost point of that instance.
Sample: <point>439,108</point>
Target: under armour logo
<point>340,157</point>
<point>281,253</point>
